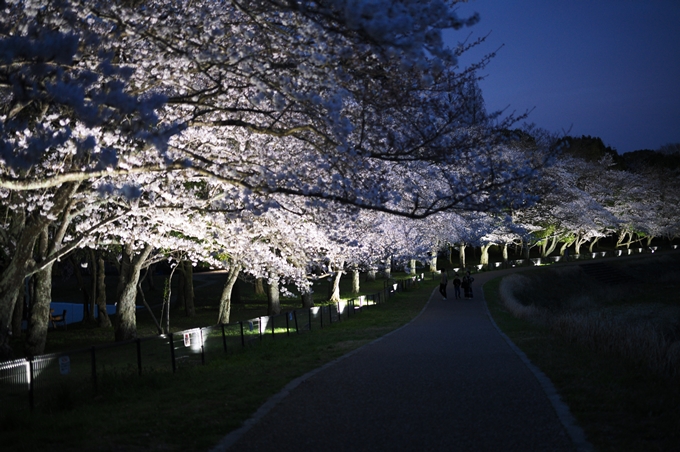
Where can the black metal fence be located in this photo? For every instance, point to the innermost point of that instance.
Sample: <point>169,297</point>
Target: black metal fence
<point>28,383</point>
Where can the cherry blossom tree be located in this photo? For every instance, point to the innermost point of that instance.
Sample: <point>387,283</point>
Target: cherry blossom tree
<point>160,117</point>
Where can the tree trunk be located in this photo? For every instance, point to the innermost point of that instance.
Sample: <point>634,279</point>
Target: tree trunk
<point>140,294</point>
<point>593,243</point>
<point>388,267</point>
<point>273,301</point>
<point>461,255</point>
<point>484,258</point>
<point>505,253</point>
<point>370,275</point>
<point>103,320</point>
<point>150,277</point>
<point>412,266</point>
<point>14,273</point>
<point>307,299</point>
<point>93,283</point>
<point>433,262</point>
<point>126,326</point>
<point>563,248</point>
<point>18,313</point>
<point>38,319</point>
<point>548,246</point>
<point>335,283</point>
<point>188,276</point>
<point>167,296</point>
<point>10,285</point>
<point>225,298</point>
<point>355,281</point>
<point>259,286</point>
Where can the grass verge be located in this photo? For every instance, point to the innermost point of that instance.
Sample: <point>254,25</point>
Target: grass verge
<point>622,406</point>
<point>195,408</point>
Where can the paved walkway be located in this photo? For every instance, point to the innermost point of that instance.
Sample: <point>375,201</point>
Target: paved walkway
<point>447,381</point>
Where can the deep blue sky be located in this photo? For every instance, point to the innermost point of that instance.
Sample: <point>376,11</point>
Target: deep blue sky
<point>606,68</point>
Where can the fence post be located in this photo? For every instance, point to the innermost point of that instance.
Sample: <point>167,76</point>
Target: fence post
<point>31,385</point>
<point>273,332</point>
<point>200,334</point>
<point>297,330</point>
<point>321,315</point>
<point>259,327</point>
<point>310,318</point>
<point>93,361</point>
<point>243,339</point>
<point>139,356</point>
<point>224,338</point>
<point>172,353</point>
<point>287,324</point>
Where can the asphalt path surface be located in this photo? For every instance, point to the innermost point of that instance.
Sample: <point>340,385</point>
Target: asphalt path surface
<point>447,381</point>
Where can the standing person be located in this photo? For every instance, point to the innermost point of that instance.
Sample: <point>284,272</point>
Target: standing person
<point>467,285</point>
<point>456,287</point>
<point>442,284</point>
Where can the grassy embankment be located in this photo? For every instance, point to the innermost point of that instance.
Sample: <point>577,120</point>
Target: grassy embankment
<point>610,350</point>
<point>195,408</point>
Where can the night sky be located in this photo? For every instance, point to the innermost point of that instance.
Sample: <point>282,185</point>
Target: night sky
<point>605,68</point>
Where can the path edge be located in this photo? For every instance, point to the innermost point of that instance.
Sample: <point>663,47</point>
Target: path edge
<point>575,431</point>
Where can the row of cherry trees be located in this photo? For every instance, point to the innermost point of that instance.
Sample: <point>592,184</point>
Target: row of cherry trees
<point>258,137</point>
<point>280,141</point>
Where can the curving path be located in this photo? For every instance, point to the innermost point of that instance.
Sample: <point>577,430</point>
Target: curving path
<point>447,381</point>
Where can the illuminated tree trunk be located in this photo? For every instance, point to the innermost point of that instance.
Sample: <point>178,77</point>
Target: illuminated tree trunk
<point>388,267</point>
<point>548,246</point>
<point>505,253</point>
<point>412,266</point>
<point>225,299</point>
<point>14,273</point>
<point>593,243</point>
<point>10,283</point>
<point>484,258</point>
<point>461,255</point>
<point>335,283</point>
<point>38,319</point>
<point>433,261</point>
<point>259,286</point>
<point>273,301</point>
<point>355,281</point>
<point>126,326</point>
<point>370,275</point>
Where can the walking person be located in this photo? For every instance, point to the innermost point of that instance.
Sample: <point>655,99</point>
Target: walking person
<point>456,287</point>
<point>442,284</point>
<point>467,285</point>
